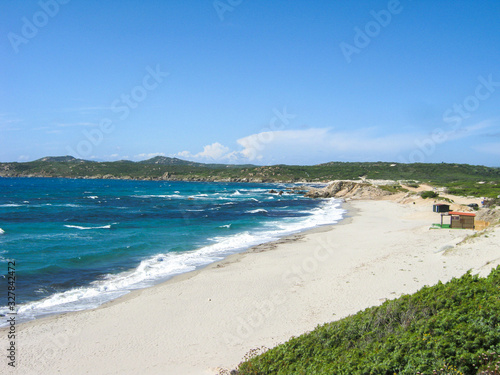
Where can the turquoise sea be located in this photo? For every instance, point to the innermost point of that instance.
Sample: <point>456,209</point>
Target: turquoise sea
<point>79,243</point>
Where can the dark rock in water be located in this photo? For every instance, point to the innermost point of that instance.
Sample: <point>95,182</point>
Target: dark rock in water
<point>273,191</point>
<point>301,192</point>
<point>281,192</point>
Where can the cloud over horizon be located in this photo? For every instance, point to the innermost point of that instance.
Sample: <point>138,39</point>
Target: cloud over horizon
<point>292,146</point>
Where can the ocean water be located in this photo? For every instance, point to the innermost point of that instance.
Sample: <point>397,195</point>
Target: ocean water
<point>80,243</point>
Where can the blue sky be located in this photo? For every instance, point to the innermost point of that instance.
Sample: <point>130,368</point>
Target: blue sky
<point>240,81</point>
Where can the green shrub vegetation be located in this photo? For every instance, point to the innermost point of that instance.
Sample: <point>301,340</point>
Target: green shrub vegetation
<point>393,188</point>
<point>451,328</point>
<point>412,184</point>
<point>489,189</point>
<point>445,199</point>
<point>429,194</point>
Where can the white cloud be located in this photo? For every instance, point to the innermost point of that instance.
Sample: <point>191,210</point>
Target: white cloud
<point>213,152</point>
<point>6,120</point>
<point>184,154</point>
<point>468,131</point>
<point>8,124</point>
<point>149,156</point>
<point>492,148</point>
<point>323,144</point>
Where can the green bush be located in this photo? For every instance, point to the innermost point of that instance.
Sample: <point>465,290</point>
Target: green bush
<point>393,189</point>
<point>448,328</point>
<point>429,194</point>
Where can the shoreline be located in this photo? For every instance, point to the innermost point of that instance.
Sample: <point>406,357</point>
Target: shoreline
<point>186,275</point>
<point>266,246</point>
<point>208,319</point>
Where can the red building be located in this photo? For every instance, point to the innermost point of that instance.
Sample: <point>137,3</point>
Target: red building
<point>463,220</point>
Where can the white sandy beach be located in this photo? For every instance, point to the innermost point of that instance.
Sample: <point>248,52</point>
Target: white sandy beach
<point>203,321</point>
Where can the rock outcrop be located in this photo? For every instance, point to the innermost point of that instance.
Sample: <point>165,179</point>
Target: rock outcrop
<point>348,189</point>
<point>488,214</point>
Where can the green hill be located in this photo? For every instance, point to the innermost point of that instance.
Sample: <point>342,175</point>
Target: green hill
<point>61,159</point>
<point>164,160</point>
<point>461,179</point>
<point>451,328</point>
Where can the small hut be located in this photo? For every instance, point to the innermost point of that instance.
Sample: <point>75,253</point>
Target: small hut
<point>440,207</point>
<point>463,220</point>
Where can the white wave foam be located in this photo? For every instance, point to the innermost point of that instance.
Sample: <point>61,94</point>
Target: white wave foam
<point>2,231</point>
<point>158,196</point>
<point>225,226</point>
<point>165,265</point>
<point>256,211</point>
<point>156,268</point>
<point>86,228</point>
<point>329,212</point>
<point>27,204</point>
<point>255,190</point>
<point>92,197</point>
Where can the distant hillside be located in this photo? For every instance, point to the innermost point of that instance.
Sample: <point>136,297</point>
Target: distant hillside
<point>61,159</point>
<point>461,179</point>
<point>164,160</point>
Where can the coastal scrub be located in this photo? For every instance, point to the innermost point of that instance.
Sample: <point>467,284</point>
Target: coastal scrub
<point>447,328</point>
